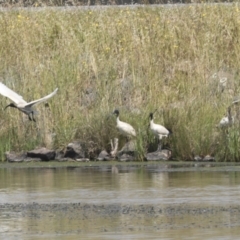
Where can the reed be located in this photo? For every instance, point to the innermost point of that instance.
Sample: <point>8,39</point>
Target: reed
<point>135,59</point>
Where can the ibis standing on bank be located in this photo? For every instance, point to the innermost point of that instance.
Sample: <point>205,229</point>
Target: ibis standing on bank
<point>158,130</point>
<point>20,103</point>
<point>124,128</point>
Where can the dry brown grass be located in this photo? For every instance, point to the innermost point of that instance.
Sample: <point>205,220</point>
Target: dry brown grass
<point>136,60</point>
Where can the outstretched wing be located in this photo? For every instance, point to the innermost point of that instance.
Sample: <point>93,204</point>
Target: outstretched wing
<point>30,104</point>
<point>7,92</point>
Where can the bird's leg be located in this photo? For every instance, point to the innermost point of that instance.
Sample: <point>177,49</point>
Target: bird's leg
<point>111,142</point>
<point>114,147</point>
<point>159,145</point>
<point>33,117</point>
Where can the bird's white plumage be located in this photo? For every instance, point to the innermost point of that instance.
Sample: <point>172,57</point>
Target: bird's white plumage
<point>125,128</point>
<point>42,99</point>
<point>158,130</point>
<point>224,122</point>
<point>18,99</point>
<point>227,120</point>
<point>7,92</point>
<point>20,103</point>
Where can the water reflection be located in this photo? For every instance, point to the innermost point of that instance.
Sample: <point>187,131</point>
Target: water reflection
<point>116,185</point>
<point>123,185</point>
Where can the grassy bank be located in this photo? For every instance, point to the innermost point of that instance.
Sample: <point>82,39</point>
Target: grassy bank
<point>136,60</point>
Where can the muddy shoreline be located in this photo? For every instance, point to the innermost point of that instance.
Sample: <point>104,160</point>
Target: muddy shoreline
<point>77,208</point>
<point>164,216</point>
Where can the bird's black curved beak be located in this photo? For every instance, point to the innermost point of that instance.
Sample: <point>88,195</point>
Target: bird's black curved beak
<point>7,106</point>
<point>10,105</point>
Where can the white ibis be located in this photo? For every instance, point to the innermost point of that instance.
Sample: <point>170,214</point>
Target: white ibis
<point>227,120</point>
<point>20,103</point>
<point>124,128</point>
<point>158,130</point>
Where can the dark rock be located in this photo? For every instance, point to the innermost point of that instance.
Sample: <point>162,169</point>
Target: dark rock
<point>128,152</point>
<point>129,147</point>
<point>104,156</point>
<point>159,155</point>
<point>208,158</point>
<point>126,158</point>
<point>197,158</point>
<point>42,153</point>
<point>15,157</point>
<point>59,155</point>
<point>74,150</point>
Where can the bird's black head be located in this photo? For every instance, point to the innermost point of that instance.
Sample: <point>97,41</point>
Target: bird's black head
<point>151,116</point>
<point>170,131</point>
<point>116,112</point>
<point>10,105</point>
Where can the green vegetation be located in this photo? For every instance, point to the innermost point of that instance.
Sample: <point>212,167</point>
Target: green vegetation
<point>135,60</point>
<point>54,3</point>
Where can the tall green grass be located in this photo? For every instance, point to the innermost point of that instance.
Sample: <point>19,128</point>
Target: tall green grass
<point>136,60</point>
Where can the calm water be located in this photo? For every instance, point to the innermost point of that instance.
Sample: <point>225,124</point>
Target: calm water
<point>119,185</point>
